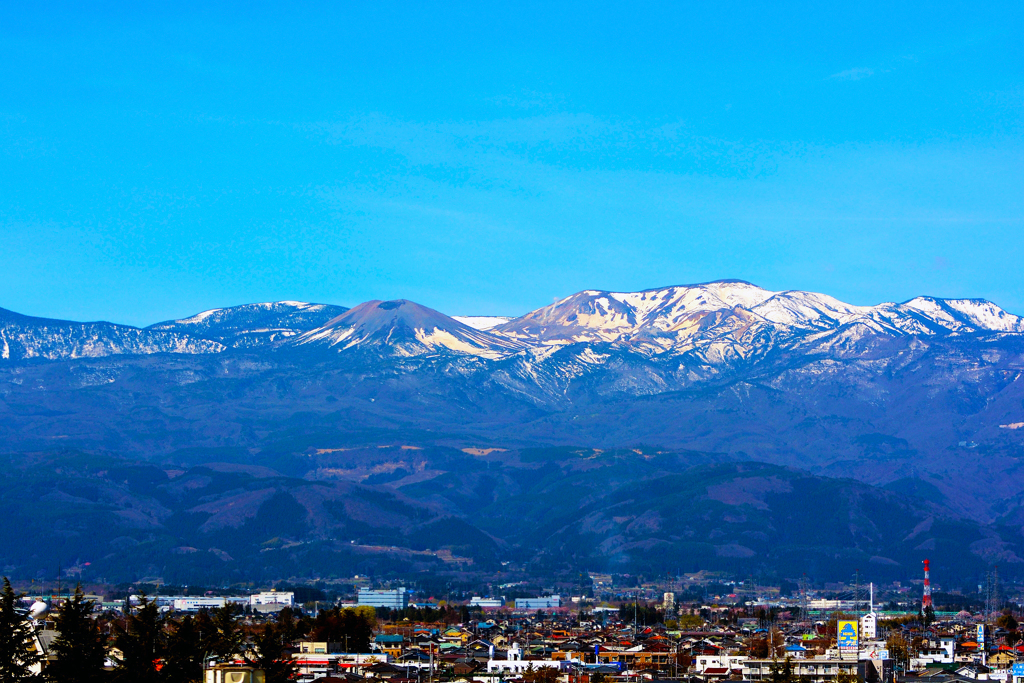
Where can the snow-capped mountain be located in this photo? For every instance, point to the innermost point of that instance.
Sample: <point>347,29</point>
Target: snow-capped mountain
<point>713,324</point>
<point>405,328</point>
<point>252,325</point>
<point>796,378</point>
<point>731,317</point>
<point>24,338</point>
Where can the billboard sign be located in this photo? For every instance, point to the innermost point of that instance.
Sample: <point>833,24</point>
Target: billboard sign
<point>981,636</point>
<point>846,637</point>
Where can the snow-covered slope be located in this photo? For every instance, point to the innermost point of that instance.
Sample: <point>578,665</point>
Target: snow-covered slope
<point>404,328</point>
<point>733,317</point>
<point>252,325</point>
<point>966,315</point>
<point>23,338</point>
<point>482,322</point>
<point>591,316</point>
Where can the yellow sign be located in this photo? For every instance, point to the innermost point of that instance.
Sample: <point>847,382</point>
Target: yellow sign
<point>846,635</point>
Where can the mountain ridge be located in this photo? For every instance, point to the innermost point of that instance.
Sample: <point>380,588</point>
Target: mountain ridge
<point>257,324</point>
<point>393,511</point>
<point>722,320</point>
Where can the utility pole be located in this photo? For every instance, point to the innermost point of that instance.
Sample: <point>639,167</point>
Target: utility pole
<point>995,592</point>
<point>988,590</point>
<point>803,598</point>
<point>856,612</point>
<point>856,595</point>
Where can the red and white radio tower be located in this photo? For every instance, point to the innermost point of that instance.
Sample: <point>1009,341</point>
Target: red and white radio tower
<point>927,601</point>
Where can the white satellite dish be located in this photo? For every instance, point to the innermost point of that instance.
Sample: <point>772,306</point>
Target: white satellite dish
<point>38,609</point>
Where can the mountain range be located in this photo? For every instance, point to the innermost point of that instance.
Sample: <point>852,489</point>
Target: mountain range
<point>718,322</point>
<point>908,418</point>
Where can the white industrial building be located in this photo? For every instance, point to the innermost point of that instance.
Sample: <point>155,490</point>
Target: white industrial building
<point>486,603</point>
<point>198,604</point>
<point>546,602</point>
<point>272,597</point>
<point>397,598</point>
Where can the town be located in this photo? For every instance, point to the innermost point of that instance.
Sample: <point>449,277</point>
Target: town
<point>707,629</point>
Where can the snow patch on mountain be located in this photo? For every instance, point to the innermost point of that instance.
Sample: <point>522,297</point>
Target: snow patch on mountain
<point>481,322</point>
<point>437,338</point>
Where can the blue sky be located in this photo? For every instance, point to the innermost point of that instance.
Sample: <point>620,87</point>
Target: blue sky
<point>485,158</point>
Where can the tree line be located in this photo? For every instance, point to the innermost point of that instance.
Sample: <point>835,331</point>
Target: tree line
<point>453,614</point>
<point>146,646</point>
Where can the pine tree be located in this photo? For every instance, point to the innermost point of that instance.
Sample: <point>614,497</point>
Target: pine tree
<point>268,653</point>
<point>783,674</point>
<point>140,641</point>
<point>80,646</point>
<point>291,628</point>
<point>207,631</point>
<point>185,653</point>
<point>17,646</point>
<point>351,627</point>
<point>229,639</point>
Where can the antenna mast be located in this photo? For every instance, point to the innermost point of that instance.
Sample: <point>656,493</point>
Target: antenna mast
<point>926,601</point>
